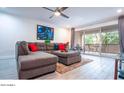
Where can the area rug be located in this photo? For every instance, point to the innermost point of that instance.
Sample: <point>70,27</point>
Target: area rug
<point>63,68</point>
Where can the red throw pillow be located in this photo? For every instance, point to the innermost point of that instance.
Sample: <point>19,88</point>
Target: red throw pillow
<point>33,47</point>
<point>61,46</point>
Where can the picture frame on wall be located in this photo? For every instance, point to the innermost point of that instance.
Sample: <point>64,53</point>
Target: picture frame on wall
<point>45,33</point>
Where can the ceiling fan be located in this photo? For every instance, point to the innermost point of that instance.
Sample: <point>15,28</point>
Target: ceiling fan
<point>57,12</point>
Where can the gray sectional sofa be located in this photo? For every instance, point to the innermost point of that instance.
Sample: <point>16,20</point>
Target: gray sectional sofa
<point>32,64</point>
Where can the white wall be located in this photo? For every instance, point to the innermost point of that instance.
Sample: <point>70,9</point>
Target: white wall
<point>14,28</point>
<point>62,35</point>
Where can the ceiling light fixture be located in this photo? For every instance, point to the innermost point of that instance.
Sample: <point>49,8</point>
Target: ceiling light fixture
<point>57,13</point>
<point>119,10</point>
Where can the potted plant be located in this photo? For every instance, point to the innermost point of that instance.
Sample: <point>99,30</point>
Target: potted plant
<point>47,41</point>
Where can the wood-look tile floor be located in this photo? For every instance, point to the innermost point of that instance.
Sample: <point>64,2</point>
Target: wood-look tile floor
<point>101,68</point>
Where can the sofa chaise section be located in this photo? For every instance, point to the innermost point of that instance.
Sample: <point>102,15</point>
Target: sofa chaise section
<point>36,63</point>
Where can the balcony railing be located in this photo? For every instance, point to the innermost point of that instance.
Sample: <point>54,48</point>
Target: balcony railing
<point>109,48</point>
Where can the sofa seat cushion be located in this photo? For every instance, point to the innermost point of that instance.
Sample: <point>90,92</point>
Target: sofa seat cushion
<point>49,51</point>
<point>37,59</point>
<point>66,54</point>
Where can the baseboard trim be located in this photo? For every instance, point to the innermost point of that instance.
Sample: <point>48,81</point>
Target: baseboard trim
<point>6,57</point>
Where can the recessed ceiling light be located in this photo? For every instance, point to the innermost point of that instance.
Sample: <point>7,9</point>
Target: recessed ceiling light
<point>119,10</point>
<point>57,13</point>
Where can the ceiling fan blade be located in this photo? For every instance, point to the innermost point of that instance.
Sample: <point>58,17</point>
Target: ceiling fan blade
<point>62,9</point>
<point>57,8</point>
<point>51,17</point>
<point>64,15</point>
<point>49,9</point>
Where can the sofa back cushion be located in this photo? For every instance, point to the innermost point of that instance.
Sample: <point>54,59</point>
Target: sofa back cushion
<point>41,46</point>
<point>67,45</point>
<point>22,48</point>
<point>50,46</point>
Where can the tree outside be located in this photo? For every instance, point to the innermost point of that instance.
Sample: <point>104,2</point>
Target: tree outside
<point>92,38</point>
<point>110,38</point>
<point>107,39</point>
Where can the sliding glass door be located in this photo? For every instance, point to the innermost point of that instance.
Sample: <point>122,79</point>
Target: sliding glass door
<point>102,41</point>
<point>92,43</point>
<point>110,43</point>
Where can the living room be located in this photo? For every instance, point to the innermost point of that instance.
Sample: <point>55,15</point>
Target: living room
<point>83,57</point>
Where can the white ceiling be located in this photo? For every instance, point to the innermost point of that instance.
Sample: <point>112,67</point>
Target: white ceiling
<point>79,16</point>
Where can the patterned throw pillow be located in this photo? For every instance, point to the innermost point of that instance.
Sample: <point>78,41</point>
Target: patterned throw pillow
<point>23,48</point>
<point>56,47</point>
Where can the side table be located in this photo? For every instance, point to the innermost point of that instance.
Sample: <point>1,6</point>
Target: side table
<point>118,68</point>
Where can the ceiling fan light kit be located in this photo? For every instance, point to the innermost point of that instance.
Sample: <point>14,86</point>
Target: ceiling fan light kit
<point>57,13</point>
